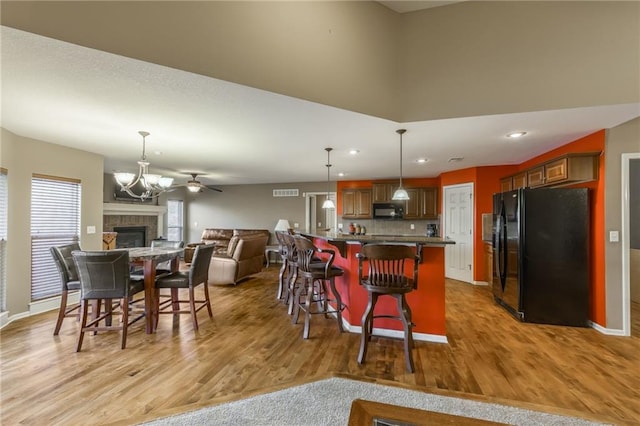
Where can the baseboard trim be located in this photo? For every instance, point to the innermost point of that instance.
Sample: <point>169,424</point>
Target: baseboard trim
<point>607,331</point>
<point>38,307</point>
<point>396,334</point>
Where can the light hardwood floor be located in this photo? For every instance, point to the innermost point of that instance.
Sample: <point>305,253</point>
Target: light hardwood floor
<point>251,346</point>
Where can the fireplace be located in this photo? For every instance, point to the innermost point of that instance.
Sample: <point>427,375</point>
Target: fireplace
<point>131,236</point>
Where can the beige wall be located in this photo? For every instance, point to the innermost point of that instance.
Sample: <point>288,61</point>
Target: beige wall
<point>247,206</point>
<point>483,57</point>
<point>23,157</point>
<point>622,139</point>
<point>466,59</point>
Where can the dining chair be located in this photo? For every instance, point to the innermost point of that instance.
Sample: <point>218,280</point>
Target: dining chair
<point>315,274</point>
<point>386,276</point>
<point>104,276</point>
<point>197,274</point>
<point>69,282</point>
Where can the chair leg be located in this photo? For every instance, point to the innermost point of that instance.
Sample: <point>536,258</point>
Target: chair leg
<point>281,278</point>
<point>292,289</point>
<point>307,304</point>
<point>295,300</point>
<point>125,320</point>
<point>192,305</point>
<point>405,315</point>
<point>83,323</point>
<point>207,300</point>
<point>61,312</point>
<point>339,307</point>
<point>367,327</point>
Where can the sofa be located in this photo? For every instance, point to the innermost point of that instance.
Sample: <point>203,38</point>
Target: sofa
<point>244,257</point>
<point>239,253</point>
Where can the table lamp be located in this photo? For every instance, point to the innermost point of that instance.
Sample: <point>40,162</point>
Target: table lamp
<point>282,225</point>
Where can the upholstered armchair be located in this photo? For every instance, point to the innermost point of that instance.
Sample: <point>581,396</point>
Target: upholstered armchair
<point>244,257</point>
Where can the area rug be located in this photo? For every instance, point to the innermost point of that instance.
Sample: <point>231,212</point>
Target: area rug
<point>327,402</point>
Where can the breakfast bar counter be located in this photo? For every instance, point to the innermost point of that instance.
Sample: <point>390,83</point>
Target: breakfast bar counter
<point>427,302</point>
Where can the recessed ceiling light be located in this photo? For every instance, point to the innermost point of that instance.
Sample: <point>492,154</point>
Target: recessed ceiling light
<point>455,159</point>
<point>422,160</point>
<point>341,174</point>
<point>157,152</point>
<point>354,152</point>
<point>516,134</point>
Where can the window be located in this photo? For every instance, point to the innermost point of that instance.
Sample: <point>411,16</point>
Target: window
<point>3,239</point>
<point>175,222</point>
<point>55,221</point>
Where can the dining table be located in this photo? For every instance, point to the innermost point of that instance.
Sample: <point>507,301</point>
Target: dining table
<point>149,258</point>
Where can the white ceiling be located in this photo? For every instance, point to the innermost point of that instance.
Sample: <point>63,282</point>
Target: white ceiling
<point>96,101</point>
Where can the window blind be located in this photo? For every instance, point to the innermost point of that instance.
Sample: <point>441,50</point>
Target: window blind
<point>174,220</point>
<point>3,239</point>
<point>55,221</point>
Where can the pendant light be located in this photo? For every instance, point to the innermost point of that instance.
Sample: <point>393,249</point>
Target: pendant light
<point>401,193</point>
<point>328,203</point>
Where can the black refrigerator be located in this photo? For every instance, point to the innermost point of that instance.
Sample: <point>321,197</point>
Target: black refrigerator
<point>541,255</point>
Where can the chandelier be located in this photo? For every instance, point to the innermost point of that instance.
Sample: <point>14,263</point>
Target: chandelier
<point>328,203</point>
<point>153,185</point>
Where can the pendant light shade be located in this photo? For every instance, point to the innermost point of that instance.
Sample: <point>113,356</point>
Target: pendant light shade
<point>400,194</point>
<point>328,203</point>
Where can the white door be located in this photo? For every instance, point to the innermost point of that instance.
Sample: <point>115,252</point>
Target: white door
<point>458,226</point>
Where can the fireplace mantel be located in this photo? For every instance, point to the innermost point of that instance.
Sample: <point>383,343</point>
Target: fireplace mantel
<point>127,209</point>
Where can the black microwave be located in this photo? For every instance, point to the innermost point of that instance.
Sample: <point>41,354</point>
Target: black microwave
<point>388,210</point>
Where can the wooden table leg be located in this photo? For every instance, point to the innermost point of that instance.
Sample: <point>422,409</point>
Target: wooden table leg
<point>150,294</point>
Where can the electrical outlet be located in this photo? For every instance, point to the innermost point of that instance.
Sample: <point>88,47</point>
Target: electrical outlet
<point>296,225</point>
<point>91,229</point>
<point>319,224</point>
<point>413,226</point>
<point>614,236</point>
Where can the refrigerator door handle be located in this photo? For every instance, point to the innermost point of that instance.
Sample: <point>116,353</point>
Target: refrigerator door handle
<point>503,247</point>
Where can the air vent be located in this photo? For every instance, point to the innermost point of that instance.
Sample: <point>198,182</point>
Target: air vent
<point>285,193</point>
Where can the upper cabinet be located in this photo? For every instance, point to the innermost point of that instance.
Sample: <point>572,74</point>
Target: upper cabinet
<point>382,192</point>
<point>566,170</point>
<point>356,203</point>
<point>422,203</point>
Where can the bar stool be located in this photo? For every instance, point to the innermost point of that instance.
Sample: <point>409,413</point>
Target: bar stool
<point>386,276</point>
<point>314,273</point>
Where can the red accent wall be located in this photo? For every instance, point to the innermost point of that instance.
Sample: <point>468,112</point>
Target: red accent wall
<point>486,182</point>
<point>594,142</point>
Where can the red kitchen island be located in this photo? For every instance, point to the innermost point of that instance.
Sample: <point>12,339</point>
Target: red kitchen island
<point>427,302</point>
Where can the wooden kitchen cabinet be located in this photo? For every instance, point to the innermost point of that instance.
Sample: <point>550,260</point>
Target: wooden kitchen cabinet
<point>356,203</point>
<point>506,184</point>
<point>488,262</point>
<point>382,192</point>
<point>568,169</point>
<point>513,182</point>
<point>422,203</point>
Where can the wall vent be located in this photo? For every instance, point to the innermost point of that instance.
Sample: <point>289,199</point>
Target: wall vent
<point>285,193</point>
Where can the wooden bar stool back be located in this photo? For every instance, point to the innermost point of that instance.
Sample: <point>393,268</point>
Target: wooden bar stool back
<point>385,275</point>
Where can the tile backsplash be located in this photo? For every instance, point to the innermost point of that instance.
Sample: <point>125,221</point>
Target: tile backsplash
<point>391,227</point>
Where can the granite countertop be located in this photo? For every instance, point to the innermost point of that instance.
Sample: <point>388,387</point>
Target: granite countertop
<point>379,238</point>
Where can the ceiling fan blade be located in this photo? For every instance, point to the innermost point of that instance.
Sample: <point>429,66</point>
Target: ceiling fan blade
<point>211,187</point>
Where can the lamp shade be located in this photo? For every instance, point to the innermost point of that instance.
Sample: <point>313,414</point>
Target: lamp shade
<point>400,195</point>
<point>328,204</point>
<point>282,225</point>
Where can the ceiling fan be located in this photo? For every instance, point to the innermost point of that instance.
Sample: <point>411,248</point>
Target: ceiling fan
<point>195,185</point>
